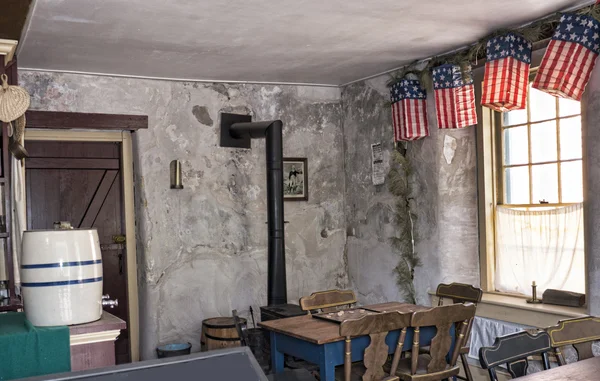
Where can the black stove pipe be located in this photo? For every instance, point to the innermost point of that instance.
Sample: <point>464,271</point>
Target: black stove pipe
<point>272,131</point>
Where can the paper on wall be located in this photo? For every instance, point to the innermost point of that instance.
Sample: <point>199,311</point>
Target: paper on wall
<point>377,162</point>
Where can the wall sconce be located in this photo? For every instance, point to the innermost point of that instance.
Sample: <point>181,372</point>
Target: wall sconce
<point>175,167</point>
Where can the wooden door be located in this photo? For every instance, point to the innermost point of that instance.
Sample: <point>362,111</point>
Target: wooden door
<point>80,182</point>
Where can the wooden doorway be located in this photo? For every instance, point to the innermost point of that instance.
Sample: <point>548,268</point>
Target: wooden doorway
<point>80,182</point>
<point>124,144</point>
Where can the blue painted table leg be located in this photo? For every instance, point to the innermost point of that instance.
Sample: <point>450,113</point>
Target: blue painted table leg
<point>326,363</point>
<point>277,358</point>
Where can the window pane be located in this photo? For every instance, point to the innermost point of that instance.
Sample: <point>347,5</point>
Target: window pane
<point>544,180</point>
<point>570,138</point>
<point>512,118</point>
<point>572,181</point>
<point>568,107</point>
<point>517,185</point>
<point>543,142</point>
<point>516,150</point>
<point>542,106</point>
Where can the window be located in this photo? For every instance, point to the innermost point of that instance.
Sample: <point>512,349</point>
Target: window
<point>531,196</point>
<point>541,153</point>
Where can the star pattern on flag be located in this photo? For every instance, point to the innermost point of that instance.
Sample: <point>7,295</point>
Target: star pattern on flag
<point>581,29</point>
<point>507,46</point>
<point>449,76</point>
<point>407,89</point>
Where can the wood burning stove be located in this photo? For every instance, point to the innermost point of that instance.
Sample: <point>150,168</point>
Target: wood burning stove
<point>280,311</point>
<point>237,132</point>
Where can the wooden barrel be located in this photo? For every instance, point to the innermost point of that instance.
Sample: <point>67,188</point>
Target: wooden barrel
<point>218,333</point>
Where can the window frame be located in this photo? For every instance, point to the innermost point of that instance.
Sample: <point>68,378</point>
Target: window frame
<point>489,168</point>
<point>500,139</point>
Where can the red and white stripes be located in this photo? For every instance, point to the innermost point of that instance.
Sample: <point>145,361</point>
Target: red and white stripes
<point>566,69</point>
<point>410,119</point>
<point>455,107</point>
<point>505,84</point>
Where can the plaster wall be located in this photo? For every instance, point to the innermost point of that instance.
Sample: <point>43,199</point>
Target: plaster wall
<point>202,250</point>
<point>591,142</point>
<point>444,199</point>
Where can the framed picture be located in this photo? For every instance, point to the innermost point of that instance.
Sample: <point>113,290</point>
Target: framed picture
<point>295,179</point>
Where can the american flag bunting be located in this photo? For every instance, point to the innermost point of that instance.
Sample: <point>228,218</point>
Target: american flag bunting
<point>506,77</point>
<point>570,58</point>
<point>454,97</point>
<point>409,110</point>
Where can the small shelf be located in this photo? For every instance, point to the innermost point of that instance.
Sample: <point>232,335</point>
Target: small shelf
<point>4,235</point>
<point>11,307</point>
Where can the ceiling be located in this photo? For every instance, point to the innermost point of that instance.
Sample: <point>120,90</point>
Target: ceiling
<point>286,41</point>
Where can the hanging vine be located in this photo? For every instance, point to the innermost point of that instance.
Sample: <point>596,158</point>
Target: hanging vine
<point>404,242</point>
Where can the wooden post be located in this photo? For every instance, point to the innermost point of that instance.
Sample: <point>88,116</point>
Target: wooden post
<point>415,352</point>
<point>348,359</point>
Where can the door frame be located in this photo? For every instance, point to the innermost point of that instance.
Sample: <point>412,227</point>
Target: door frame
<point>123,137</point>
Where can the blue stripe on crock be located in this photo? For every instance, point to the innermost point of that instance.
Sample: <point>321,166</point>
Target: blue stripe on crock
<point>61,264</point>
<point>62,283</point>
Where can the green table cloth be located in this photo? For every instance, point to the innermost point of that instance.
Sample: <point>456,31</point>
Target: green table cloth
<point>27,351</point>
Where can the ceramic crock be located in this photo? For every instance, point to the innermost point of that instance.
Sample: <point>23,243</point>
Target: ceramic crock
<point>61,276</point>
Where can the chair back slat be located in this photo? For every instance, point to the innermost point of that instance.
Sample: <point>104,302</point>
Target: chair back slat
<point>459,293</point>
<point>513,351</point>
<point>579,332</point>
<point>398,352</point>
<point>443,318</point>
<point>240,328</point>
<point>324,300</point>
<point>377,327</point>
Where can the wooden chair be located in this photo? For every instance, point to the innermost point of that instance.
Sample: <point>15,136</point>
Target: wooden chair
<point>578,332</point>
<point>377,327</point>
<point>326,301</point>
<point>461,293</point>
<point>513,351</point>
<point>433,366</point>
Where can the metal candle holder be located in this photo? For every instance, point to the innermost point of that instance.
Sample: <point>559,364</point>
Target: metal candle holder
<point>534,299</point>
<point>175,169</point>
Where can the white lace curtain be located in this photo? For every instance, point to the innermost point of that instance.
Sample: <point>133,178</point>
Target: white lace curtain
<point>542,246</point>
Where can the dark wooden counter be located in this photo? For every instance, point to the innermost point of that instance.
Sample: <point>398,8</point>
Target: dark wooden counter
<point>93,344</point>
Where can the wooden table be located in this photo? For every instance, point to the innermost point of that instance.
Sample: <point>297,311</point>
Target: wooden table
<point>319,341</point>
<point>582,370</point>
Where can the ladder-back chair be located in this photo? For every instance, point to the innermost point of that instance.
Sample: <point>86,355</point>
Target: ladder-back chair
<point>461,293</point>
<point>513,350</point>
<point>434,365</point>
<point>578,332</point>
<point>377,327</point>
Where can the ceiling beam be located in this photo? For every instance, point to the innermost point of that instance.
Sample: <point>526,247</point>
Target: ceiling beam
<point>13,17</point>
<point>76,120</point>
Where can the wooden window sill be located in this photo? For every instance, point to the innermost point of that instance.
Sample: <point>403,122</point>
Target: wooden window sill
<point>515,309</point>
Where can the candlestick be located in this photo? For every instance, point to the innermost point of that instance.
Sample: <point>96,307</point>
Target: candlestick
<point>534,299</point>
